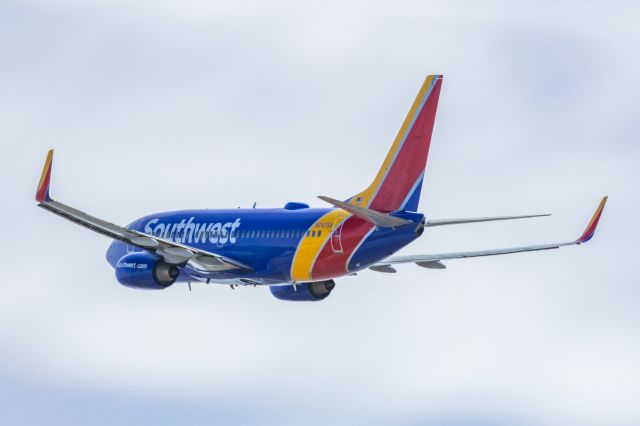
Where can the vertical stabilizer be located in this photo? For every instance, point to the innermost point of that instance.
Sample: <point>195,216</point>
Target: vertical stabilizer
<point>398,183</point>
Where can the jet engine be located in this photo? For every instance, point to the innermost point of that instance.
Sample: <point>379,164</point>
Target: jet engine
<point>304,292</point>
<point>145,271</point>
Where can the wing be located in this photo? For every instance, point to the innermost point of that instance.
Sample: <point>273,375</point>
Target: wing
<point>433,261</point>
<point>170,251</point>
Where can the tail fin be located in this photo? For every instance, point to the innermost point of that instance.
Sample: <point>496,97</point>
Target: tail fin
<point>398,183</point>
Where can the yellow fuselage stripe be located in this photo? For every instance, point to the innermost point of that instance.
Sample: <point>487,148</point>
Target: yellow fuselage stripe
<point>310,246</point>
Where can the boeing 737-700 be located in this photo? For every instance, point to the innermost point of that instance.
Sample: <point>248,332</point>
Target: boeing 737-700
<point>297,251</point>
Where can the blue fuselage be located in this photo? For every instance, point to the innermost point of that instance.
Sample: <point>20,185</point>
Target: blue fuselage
<point>266,240</point>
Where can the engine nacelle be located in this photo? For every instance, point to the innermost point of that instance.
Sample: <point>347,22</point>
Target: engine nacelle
<point>304,292</point>
<point>145,271</point>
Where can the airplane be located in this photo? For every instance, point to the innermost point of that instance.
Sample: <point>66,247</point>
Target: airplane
<point>297,251</point>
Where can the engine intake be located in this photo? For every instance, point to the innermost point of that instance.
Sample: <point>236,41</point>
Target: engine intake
<point>145,271</point>
<point>304,292</point>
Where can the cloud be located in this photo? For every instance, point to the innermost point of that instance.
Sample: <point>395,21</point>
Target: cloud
<point>200,104</point>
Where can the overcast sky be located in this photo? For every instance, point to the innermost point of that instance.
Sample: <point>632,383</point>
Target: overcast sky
<point>154,106</point>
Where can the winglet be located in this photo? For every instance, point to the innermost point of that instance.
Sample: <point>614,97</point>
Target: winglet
<point>42,194</point>
<point>591,227</point>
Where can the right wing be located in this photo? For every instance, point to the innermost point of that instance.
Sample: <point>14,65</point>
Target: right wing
<point>433,261</point>
<point>171,251</point>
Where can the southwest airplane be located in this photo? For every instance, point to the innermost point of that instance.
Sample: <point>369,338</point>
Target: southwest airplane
<point>296,250</point>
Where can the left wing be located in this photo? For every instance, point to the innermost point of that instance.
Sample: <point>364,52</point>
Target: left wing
<point>171,251</point>
<point>433,261</point>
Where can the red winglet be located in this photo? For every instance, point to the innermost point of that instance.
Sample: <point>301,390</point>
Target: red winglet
<point>42,194</point>
<point>591,227</point>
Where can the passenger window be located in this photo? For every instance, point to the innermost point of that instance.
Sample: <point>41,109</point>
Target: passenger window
<point>319,233</point>
<point>277,234</point>
<point>253,233</point>
<point>313,234</point>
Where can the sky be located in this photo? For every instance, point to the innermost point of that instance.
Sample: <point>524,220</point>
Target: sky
<point>154,106</point>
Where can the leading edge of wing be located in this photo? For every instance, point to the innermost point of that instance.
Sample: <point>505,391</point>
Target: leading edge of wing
<point>423,258</point>
<point>171,251</point>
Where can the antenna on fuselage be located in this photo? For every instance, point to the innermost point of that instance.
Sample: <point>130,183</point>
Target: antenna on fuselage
<point>254,204</point>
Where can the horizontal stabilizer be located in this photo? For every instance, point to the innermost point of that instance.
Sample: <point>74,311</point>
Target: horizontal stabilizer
<point>442,222</point>
<point>383,220</point>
